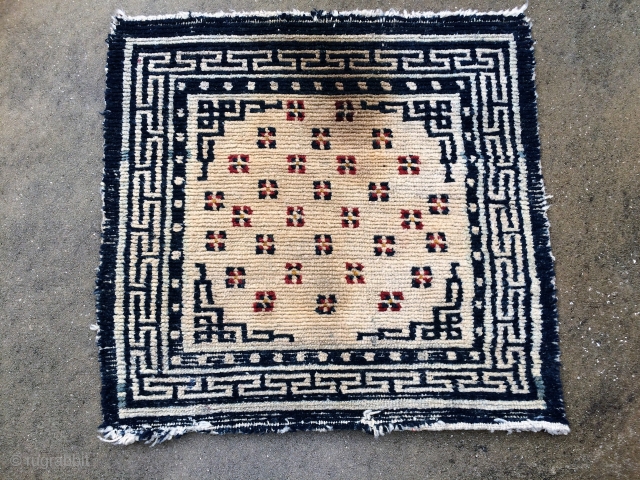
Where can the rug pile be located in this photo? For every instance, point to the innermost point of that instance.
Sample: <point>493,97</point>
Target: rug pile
<point>324,221</point>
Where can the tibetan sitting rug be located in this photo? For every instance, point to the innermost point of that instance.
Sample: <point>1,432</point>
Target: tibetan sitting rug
<point>324,221</point>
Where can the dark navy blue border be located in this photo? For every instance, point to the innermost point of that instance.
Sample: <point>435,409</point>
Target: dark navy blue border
<point>105,291</point>
<point>323,23</point>
<point>550,353</point>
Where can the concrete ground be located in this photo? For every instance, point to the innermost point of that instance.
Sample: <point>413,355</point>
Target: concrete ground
<point>52,56</point>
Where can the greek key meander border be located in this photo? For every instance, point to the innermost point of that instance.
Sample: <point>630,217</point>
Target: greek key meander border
<point>523,189</point>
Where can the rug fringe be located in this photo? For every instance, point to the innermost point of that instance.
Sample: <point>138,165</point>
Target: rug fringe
<point>151,435</point>
<point>318,15</point>
<point>500,425</point>
<point>125,435</point>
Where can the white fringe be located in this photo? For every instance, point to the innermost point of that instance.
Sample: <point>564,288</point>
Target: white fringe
<point>500,425</point>
<point>125,435</point>
<point>121,15</point>
<point>129,435</point>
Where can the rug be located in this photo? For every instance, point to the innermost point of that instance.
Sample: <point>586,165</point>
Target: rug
<point>318,221</point>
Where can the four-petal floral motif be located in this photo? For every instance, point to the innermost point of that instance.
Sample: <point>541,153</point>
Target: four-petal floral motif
<point>384,245</point>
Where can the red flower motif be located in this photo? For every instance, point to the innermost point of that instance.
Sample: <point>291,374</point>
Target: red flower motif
<point>265,301</point>
<point>235,277</point>
<point>384,244</point>
<point>350,217</point>
<point>323,245</point>
<point>296,163</point>
<point>379,192</point>
<point>390,301</point>
<point>381,138</point>
<point>436,242</point>
<point>215,241</point>
<point>239,163</point>
<point>322,190</point>
<point>266,137</point>
<point>411,218</point>
<point>409,165</point>
<point>346,164</point>
<point>241,216</point>
<point>321,138</point>
<point>295,216</point>
<point>326,304</point>
<point>293,275</point>
<point>422,277</point>
<point>265,244</point>
<point>267,189</point>
<point>213,201</point>
<point>295,110</point>
<point>439,204</point>
<point>354,273</point>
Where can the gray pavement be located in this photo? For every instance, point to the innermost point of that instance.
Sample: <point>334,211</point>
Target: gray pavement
<point>52,56</point>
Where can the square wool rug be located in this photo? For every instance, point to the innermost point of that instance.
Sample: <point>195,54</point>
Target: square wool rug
<point>324,221</point>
